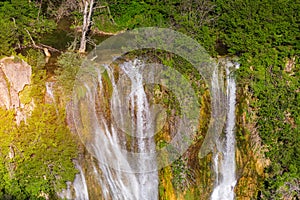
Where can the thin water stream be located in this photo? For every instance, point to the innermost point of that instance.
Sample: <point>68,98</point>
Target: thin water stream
<point>224,158</point>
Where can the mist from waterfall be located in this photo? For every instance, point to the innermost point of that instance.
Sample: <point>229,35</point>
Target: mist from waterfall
<point>224,156</point>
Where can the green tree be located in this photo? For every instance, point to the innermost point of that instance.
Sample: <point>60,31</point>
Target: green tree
<point>265,34</point>
<point>22,24</point>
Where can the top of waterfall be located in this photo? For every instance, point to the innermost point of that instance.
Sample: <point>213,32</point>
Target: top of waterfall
<point>229,62</point>
<point>237,65</point>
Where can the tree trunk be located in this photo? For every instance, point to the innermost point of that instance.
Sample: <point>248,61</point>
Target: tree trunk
<point>87,18</point>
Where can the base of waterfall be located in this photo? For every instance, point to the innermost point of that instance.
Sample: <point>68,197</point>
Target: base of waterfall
<point>224,192</point>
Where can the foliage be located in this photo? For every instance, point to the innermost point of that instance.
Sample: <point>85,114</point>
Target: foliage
<point>132,14</point>
<point>279,122</point>
<point>265,35</point>
<point>20,20</point>
<point>35,58</point>
<point>190,17</point>
<point>69,64</point>
<point>36,156</point>
<point>6,128</point>
<point>182,174</point>
<point>41,153</point>
<point>255,27</point>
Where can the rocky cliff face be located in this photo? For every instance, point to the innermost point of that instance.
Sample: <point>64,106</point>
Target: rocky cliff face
<point>192,177</point>
<point>250,158</point>
<point>15,74</point>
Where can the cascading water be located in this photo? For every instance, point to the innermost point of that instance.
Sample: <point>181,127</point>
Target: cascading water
<point>224,157</point>
<point>124,163</point>
<point>66,193</point>
<point>142,129</point>
<point>80,186</point>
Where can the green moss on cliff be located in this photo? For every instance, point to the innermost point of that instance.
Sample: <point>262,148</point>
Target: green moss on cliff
<point>37,156</point>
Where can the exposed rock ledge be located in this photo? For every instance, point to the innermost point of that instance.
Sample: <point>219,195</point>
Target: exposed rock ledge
<point>14,76</point>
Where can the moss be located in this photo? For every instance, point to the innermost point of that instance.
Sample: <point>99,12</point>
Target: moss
<point>42,152</point>
<point>24,95</point>
<point>250,162</point>
<point>166,189</point>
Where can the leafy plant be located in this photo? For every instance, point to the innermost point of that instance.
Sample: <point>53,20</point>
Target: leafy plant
<point>36,157</point>
<point>69,64</point>
<point>21,23</point>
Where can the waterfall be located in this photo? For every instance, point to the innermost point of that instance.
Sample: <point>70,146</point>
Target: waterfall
<point>142,129</point>
<point>80,186</point>
<point>224,157</point>
<point>127,166</point>
<point>66,193</point>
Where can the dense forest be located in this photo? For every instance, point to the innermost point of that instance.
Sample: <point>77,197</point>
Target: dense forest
<point>37,156</point>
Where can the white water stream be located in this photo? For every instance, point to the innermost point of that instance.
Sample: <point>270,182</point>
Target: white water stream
<point>124,163</point>
<point>80,186</point>
<point>127,166</point>
<point>224,158</point>
<point>49,91</point>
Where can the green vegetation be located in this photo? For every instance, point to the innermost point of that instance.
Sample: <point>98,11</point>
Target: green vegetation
<point>69,64</point>
<point>263,34</point>
<point>21,23</point>
<point>36,157</point>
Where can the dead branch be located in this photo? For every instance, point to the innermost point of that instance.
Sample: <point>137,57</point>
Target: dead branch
<point>49,47</point>
<point>33,42</point>
<point>40,46</point>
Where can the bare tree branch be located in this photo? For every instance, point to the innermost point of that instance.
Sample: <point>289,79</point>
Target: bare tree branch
<point>87,19</point>
<point>40,46</point>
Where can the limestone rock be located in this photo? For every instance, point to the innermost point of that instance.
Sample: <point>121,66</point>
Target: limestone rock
<point>14,76</point>
<point>4,93</point>
<point>17,75</point>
